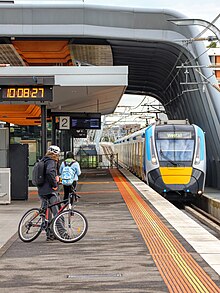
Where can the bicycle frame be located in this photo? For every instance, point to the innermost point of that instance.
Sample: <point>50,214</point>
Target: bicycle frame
<point>66,202</point>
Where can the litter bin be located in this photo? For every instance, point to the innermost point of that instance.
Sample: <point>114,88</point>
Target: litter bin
<point>18,162</point>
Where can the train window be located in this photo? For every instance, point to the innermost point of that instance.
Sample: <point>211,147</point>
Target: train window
<point>175,149</point>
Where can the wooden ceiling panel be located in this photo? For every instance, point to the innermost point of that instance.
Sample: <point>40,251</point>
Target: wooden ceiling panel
<point>35,53</point>
<point>44,52</point>
<point>20,114</point>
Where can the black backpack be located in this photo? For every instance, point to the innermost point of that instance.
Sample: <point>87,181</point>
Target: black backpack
<point>38,173</point>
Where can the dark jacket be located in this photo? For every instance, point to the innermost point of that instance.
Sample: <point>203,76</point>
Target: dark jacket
<point>50,177</point>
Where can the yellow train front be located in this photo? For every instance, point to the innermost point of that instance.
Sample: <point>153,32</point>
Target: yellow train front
<point>169,156</point>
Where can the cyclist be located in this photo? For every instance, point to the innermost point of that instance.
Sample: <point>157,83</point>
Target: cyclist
<point>77,171</point>
<point>48,190</point>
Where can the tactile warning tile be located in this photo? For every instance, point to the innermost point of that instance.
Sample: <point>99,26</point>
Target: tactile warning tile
<point>180,271</point>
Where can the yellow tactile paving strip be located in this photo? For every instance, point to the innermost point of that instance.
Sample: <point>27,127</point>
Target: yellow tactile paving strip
<point>92,182</point>
<point>180,271</point>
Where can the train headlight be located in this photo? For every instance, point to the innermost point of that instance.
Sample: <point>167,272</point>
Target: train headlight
<point>154,161</point>
<point>153,155</point>
<point>197,159</point>
<point>200,192</point>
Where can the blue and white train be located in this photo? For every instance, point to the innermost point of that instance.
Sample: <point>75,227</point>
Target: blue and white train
<point>170,156</point>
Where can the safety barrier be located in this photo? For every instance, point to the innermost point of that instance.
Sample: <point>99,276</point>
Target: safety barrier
<point>97,161</point>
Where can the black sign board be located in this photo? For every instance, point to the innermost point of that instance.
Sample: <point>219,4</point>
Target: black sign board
<point>26,93</point>
<point>79,133</point>
<point>78,120</point>
<point>85,123</point>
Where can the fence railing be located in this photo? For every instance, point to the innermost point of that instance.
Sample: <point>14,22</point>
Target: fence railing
<point>97,161</point>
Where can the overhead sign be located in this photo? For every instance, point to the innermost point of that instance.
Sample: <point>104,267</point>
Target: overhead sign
<point>79,133</point>
<point>64,123</point>
<point>26,93</point>
<point>85,123</point>
<point>78,120</point>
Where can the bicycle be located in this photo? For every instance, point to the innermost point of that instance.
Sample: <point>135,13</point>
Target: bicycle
<point>68,225</point>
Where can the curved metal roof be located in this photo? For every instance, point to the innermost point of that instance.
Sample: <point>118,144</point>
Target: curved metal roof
<point>144,39</point>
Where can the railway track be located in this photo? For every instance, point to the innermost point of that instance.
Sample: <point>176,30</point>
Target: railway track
<point>204,217</point>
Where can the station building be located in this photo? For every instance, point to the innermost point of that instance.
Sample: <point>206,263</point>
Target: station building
<point>214,54</point>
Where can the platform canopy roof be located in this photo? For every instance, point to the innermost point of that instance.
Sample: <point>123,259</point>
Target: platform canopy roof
<point>93,89</point>
<point>91,36</point>
<point>163,61</point>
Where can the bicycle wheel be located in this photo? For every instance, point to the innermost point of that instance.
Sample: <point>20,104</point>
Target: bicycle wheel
<point>70,226</point>
<point>30,225</point>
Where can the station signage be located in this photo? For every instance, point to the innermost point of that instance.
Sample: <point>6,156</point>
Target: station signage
<point>85,123</point>
<point>64,123</point>
<point>79,133</point>
<point>26,93</point>
<point>80,121</point>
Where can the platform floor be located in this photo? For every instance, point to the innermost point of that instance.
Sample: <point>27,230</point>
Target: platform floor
<point>115,255</point>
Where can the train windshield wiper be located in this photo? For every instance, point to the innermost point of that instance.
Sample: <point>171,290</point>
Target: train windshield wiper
<point>167,159</point>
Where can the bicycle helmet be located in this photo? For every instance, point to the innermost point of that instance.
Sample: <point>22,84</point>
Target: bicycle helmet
<point>54,149</point>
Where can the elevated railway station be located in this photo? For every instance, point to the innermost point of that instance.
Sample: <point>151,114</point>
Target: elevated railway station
<point>64,63</point>
<point>164,60</point>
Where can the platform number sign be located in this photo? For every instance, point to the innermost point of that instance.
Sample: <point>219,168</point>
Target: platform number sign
<point>64,123</point>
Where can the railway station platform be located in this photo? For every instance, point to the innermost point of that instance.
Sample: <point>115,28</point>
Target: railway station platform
<point>136,242</point>
<point>210,202</point>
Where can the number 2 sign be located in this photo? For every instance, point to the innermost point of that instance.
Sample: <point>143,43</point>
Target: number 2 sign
<point>64,122</point>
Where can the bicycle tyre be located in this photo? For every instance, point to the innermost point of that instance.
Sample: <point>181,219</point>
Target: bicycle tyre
<point>70,226</point>
<point>30,225</point>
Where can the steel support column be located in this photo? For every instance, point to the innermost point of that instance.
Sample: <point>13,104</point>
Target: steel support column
<point>43,129</point>
<point>53,134</point>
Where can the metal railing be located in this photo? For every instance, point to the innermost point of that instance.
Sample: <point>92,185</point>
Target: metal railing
<point>97,161</point>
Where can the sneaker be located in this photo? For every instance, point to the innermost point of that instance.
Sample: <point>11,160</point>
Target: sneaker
<point>66,236</point>
<point>50,238</point>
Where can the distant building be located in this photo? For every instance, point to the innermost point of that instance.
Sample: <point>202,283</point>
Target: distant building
<point>214,55</point>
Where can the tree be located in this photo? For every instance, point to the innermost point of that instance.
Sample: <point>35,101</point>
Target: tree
<point>212,45</point>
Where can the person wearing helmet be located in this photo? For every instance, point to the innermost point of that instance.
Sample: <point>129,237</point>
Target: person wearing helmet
<point>48,190</point>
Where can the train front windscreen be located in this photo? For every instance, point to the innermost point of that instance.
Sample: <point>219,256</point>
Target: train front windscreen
<point>175,146</point>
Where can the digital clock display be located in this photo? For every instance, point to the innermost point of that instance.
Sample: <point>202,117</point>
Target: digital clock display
<point>26,93</point>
